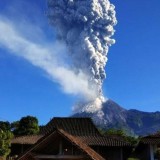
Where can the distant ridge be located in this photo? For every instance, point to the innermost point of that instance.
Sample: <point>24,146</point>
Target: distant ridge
<point>134,122</point>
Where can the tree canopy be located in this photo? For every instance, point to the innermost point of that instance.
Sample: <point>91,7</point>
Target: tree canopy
<point>26,126</point>
<point>5,125</point>
<point>121,133</point>
<point>5,141</point>
<point>5,138</point>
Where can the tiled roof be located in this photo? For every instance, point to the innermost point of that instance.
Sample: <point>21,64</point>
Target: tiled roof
<point>104,141</point>
<point>30,139</point>
<point>85,130</point>
<point>82,128</point>
<point>74,126</point>
<point>156,135</point>
<point>151,139</point>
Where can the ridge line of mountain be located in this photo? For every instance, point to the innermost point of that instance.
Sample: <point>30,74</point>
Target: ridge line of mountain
<point>133,121</point>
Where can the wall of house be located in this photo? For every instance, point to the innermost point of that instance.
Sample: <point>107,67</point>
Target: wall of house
<point>17,149</point>
<point>127,152</point>
<point>143,152</point>
<point>113,153</point>
<point>70,149</point>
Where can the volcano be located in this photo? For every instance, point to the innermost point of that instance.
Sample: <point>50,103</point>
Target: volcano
<point>134,122</point>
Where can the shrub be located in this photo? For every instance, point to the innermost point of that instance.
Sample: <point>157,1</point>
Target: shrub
<point>5,139</point>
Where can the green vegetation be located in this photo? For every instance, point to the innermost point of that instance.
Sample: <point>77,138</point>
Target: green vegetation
<point>5,141</point>
<point>26,126</point>
<point>5,138</point>
<point>5,126</point>
<point>157,154</point>
<point>122,134</point>
<point>115,132</point>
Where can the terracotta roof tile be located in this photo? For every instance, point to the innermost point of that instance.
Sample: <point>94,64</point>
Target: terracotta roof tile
<point>151,139</point>
<point>74,126</point>
<point>104,141</point>
<point>29,139</point>
<point>156,135</point>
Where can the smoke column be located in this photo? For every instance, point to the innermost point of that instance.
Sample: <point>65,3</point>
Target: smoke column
<point>86,27</point>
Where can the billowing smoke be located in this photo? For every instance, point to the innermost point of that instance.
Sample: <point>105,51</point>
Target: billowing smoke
<point>86,27</point>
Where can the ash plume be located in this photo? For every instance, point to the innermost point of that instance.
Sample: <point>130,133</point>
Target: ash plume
<point>86,27</point>
<point>45,56</point>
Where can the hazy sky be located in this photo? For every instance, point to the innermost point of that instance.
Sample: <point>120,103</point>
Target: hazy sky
<point>133,68</point>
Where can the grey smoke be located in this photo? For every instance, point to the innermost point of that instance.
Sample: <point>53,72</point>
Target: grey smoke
<point>86,27</point>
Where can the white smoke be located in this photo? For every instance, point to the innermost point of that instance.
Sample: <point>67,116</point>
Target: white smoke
<point>44,57</point>
<point>86,27</point>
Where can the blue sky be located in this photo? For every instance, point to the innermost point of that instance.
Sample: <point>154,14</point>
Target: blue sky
<point>133,78</point>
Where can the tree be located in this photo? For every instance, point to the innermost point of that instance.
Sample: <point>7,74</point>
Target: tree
<point>116,132</point>
<point>122,133</point>
<point>157,154</point>
<point>14,126</point>
<point>26,126</point>
<point>5,125</point>
<point>5,138</point>
<point>5,141</point>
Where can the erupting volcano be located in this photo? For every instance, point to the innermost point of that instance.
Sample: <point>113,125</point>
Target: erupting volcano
<point>86,28</point>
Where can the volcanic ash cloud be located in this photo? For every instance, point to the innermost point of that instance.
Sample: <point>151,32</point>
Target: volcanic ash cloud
<point>86,28</point>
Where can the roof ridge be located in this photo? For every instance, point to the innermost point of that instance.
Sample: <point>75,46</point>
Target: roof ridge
<point>28,135</point>
<point>91,153</point>
<point>74,125</point>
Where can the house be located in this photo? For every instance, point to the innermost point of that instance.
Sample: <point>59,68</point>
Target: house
<point>73,139</point>
<point>20,144</point>
<point>147,147</point>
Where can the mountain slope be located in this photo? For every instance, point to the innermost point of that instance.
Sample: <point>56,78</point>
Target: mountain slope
<point>133,121</point>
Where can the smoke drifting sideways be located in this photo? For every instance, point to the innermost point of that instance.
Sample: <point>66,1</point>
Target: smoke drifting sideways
<point>86,28</point>
<point>44,56</point>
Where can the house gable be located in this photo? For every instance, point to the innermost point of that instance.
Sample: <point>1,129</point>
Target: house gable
<point>58,145</point>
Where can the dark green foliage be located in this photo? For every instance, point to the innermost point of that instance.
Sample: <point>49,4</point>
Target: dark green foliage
<point>14,126</point>
<point>5,139</point>
<point>115,132</point>
<point>26,126</point>
<point>122,134</point>
<point>5,125</point>
<point>101,131</point>
<point>157,154</point>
